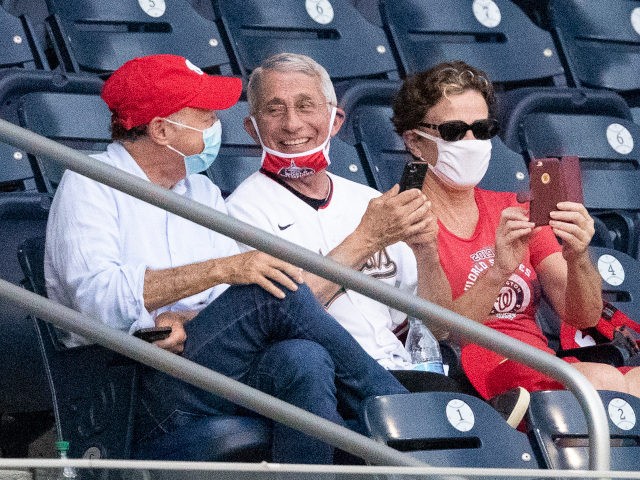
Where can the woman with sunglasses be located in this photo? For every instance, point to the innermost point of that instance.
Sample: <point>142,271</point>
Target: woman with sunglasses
<point>495,264</point>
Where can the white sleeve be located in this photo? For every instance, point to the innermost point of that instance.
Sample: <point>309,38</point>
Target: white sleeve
<point>407,279</point>
<point>84,266</point>
<point>250,213</point>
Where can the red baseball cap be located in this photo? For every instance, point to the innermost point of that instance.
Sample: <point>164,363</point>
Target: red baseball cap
<point>159,85</point>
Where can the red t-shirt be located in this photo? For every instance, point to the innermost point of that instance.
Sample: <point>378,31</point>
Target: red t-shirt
<point>464,260</point>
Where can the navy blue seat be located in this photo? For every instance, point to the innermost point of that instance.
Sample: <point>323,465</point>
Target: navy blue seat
<point>447,430</point>
<point>16,173</point>
<point>25,403</point>
<point>334,34</point>
<point>93,388</point>
<point>19,46</point>
<point>20,171</point>
<point>595,125</point>
<point>620,287</point>
<point>97,37</point>
<point>493,35</point>
<point>80,121</point>
<point>620,279</point>
<point>600,42</point>
<point>558,429</point>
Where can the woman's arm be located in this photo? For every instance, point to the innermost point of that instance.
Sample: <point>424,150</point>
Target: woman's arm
<point>512,240</point>
<point>569,279</point>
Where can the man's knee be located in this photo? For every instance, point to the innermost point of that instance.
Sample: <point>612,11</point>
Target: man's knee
<point>298,359</point>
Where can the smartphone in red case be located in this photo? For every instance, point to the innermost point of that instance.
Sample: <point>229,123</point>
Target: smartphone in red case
<point>553,180</point>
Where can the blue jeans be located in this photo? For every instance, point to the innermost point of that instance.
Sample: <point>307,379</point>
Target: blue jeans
<point>292,349</point>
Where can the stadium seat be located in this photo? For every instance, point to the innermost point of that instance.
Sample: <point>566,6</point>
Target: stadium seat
<point>240,156</point>
<point>600,42</point>
<point>334,34</point>
<point>94,36</point>
<point>16,173</point>
<point>620,287</point>
<point>93,388</point>
<point>18,44</point>
<point>367,105</point>
<point>594,125</point>
<point>620,279</point>
<point>21,171</point>
<point>80,121</point>
<point>558,429</point>
<point>493,35</point>
<point>95,391</point>
<point>447,430</point>
<point>25,402</point>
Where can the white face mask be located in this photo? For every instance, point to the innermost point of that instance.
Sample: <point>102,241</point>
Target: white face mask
<point>462,164</point>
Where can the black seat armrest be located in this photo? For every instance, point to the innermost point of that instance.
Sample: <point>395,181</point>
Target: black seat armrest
<point>609,353</point>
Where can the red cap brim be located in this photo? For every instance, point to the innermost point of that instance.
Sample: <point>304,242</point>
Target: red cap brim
<point>216,93</point>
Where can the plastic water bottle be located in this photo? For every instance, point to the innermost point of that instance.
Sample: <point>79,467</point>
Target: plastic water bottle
<point>423,348</point>
<point>67,472</point>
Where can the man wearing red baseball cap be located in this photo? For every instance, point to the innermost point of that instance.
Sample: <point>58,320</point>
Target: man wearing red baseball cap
<point>135,266</point>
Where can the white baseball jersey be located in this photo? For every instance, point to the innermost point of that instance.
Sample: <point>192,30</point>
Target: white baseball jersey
<point>264,203</point>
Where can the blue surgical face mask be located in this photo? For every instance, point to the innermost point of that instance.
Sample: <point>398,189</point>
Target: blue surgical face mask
<point>212,138</point>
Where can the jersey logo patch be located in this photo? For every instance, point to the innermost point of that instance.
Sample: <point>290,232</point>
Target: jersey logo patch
<point>284,227</point>
<point>380,265</point>
<point>514,297</point>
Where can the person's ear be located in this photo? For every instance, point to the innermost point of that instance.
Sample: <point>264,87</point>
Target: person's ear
<point>250,129</point>
<point>338,121</point>
<point>412,142</point>
<point>158,131</point>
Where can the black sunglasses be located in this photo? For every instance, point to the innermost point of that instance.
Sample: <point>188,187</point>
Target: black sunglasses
<point>456,129</point>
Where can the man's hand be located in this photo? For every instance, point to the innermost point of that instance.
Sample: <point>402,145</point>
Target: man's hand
<point>512,238</point>
<point>428,234</point>
<point>393,217</point>
<point>175,341</point>
<point>574,226</point>
<point>264,270</point>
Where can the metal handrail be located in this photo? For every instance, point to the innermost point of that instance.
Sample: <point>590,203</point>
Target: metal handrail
<point>204,378</point>
<point>599,454</point>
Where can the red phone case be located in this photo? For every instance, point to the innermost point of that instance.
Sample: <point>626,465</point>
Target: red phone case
<point>553,180</point>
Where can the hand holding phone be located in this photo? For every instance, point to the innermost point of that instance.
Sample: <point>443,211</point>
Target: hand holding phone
<point>413,175</point>
<point>553,180</point>
<point>152,334</point>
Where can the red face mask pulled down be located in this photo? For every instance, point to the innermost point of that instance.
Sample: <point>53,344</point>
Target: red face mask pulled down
<point>296,165</point>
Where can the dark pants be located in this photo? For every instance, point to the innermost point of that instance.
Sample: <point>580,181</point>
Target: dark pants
<point>291,349</point>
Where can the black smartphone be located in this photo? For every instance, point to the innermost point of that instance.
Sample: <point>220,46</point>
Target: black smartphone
<point>152,334</point>
<point>413,175</point>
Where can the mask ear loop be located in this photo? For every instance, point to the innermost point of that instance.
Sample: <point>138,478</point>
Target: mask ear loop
<point>327,142</point>
<point>184,126</point>
<point>255,126</point>
<point>176,150</point>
